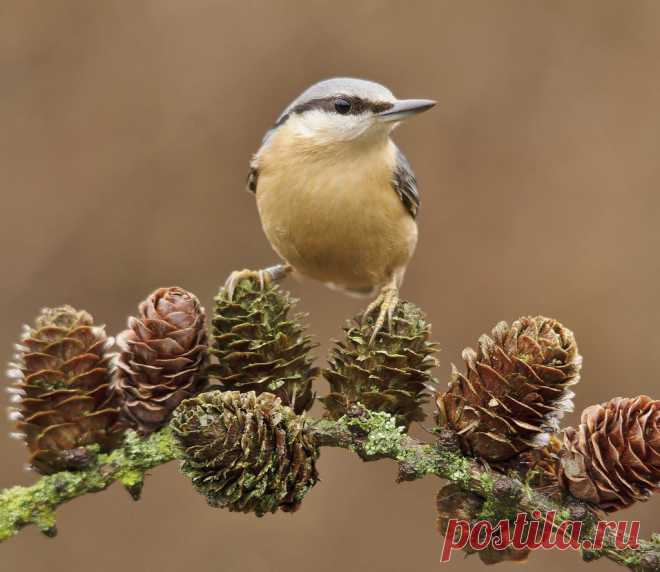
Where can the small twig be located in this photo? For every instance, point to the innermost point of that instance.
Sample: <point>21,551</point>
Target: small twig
<point>22,506</point>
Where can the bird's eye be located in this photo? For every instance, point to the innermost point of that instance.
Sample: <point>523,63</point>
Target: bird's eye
<point>342,106</point>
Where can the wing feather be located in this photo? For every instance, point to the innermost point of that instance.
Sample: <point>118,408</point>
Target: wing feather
<point>405,184</point>
<point>252,178</point>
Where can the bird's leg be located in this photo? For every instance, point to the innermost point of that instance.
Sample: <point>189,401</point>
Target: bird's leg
<point>263,277</point>
<point>387,301</point>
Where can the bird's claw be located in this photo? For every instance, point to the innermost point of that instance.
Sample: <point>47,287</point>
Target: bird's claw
<point>262,277</point>
<point>387,302</point>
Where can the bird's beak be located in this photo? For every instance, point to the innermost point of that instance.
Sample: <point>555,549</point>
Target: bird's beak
<point>404,108</point>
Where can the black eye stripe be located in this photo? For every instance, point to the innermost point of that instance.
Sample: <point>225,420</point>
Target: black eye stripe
<point>358,106</point>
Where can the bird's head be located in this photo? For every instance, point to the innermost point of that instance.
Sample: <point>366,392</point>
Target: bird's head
<point>342,110</point>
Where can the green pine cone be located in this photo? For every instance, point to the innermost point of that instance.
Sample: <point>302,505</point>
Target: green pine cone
<point>246,452</point>
<point>259,348</point>
<point>391,375</point>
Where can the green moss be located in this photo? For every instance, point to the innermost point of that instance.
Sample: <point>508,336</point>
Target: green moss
<point>641,558</point>
<point>527,490</point>
<point>496,506</point>
<point>455,468</point>
<point>563,515</point>
<point>45,520</point>
<point>156,449</point>
<point>20,506</point>
<point>489,508</point>
<point>132,478</point>
<point>133,482</point>
<point>487,483</point>
<point>424,462</point>
<point>384,436</point>
<point>378,435</point>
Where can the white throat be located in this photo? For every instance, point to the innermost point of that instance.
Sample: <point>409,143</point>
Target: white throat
<point>323,128</point>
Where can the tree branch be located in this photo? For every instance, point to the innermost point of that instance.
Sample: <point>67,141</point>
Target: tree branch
<point>371,435</point>
<point>22,506</point>
<point>374,435</point>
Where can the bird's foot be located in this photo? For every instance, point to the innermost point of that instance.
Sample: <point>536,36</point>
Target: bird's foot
<point>387,302</point>
<point>262,277</point>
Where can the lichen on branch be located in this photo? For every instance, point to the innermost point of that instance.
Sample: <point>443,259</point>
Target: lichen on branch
<point>36,504</point>
<point>371,435</point>
<point>374,435</point>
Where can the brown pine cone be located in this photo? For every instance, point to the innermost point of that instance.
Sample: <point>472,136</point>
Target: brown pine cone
<point>62,390</point>
<point>612,459</point>
<point>537,467</point>
<point>540,467</point>
<point>162,359</point>
<point>515,389</point>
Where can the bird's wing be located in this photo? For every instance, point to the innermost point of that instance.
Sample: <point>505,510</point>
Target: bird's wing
<point>405,184</point>
<point>253,177</point>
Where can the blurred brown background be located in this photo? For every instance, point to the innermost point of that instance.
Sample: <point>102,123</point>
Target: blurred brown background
<point>125,133</point>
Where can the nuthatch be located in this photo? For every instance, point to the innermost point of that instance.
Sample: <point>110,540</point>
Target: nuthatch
<point>336,197</point>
